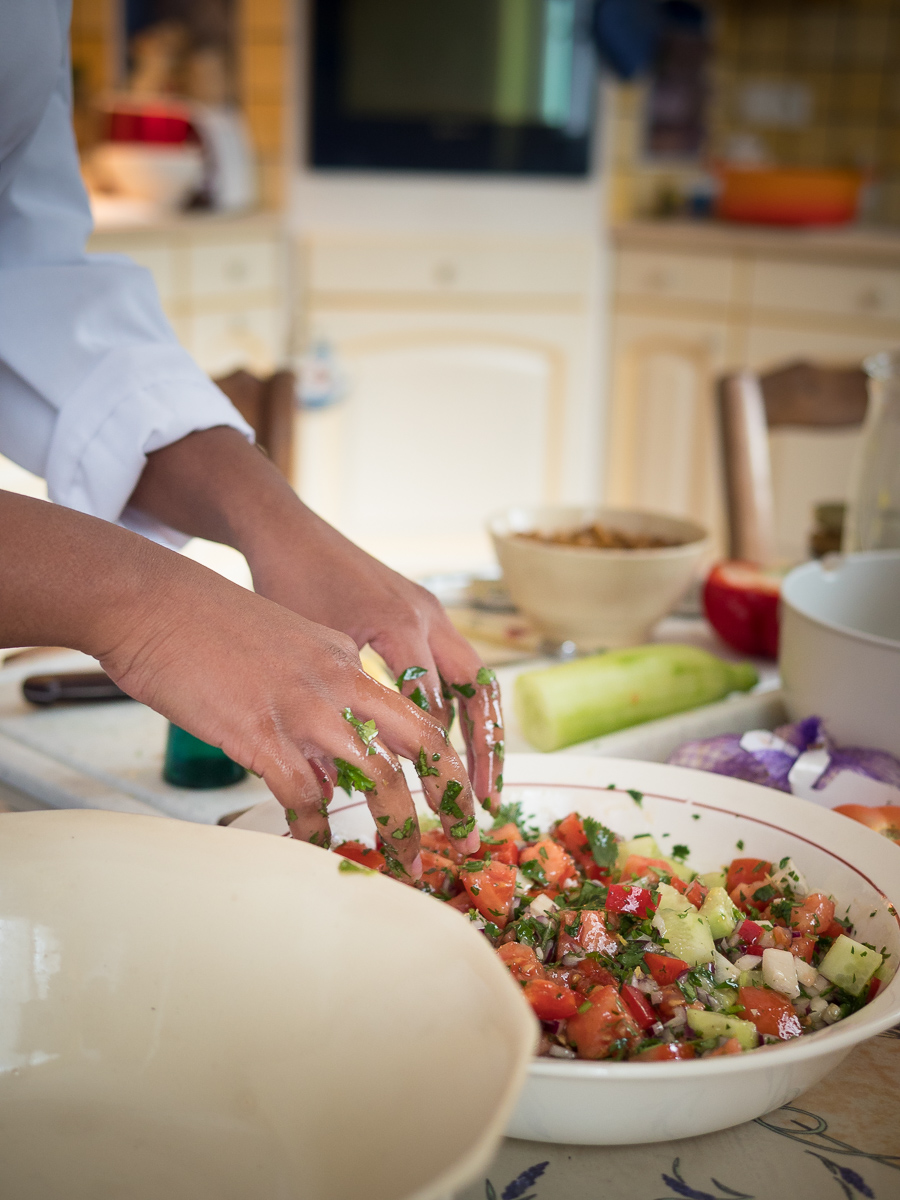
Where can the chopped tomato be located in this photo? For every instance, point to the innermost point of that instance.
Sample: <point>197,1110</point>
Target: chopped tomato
<point>593,935</point>
<point>639,1006</point>
<point>664,968</point>
<point>594,1031</point>
<point>551,1001</point>
<point>696,893</point>
<point>438,842</point>
<point>556,864</point>
<point>769,1012</point>
<point>731,1046</point>
<point>665,1052</point>
<point>439,873</point>
<point>570,833</point>
<point>802,947</point>
<point>364,855</point>
<point>625,899</point>
<point>884,820</point>
<point>749,932</point>
<point>783,939</point>
<point>461,901</point>
<point>637,867</point>
<point>835,929</point>
<point>491,887</point>
<point>569,926</point>
<point>501,844</point>
<point>873,989</point>
<point>592,974</point>
<point>746,870</point>
<point>671,998</point>
<point>521,961</point>
<point>813,916</point>
<point>744,896</point>
<point>679,885</point>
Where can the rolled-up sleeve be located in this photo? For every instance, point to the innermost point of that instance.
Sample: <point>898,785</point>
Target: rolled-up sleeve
<point>92,378</point>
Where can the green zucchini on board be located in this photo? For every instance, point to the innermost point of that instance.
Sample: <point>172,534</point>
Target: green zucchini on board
<point>575,701</point>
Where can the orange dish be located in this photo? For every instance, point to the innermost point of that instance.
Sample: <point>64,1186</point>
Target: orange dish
<point>789,195</point>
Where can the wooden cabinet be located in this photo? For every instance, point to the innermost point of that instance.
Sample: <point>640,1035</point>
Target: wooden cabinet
<point>222,282</point>
<point>468,369</point>
<point>692,302</point>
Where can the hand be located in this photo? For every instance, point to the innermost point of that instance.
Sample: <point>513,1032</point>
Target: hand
<point>213,484</point>
<point>281,695</point>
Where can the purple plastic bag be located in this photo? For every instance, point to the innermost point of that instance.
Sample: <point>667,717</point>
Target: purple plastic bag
<point>799,758</point>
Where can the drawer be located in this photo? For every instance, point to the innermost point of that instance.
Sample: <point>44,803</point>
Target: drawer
<point>443,267</point>
<point>229,267</point>
<point>698,277</point>
<point>252,338</point>
<point>843,291</point>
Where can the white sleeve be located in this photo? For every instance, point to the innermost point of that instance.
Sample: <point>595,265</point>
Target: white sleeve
<point>92,378</point>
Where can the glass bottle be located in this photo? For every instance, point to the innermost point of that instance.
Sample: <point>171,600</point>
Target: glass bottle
<point>873,516</point>
<point>191,763</point>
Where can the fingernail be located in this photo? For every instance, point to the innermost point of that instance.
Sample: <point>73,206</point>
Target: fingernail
<point>416,867</point>
<point>472,842</point>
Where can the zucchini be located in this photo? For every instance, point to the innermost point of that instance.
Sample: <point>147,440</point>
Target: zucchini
<point>688,936</point>
<point>849,964</point>
<point>573,702</point>
<point>720,912</point>
<point>710,1025</point>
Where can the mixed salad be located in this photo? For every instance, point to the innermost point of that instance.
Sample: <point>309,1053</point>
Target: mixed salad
<point>625,952</point>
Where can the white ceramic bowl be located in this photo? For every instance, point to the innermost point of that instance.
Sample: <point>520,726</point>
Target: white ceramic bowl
<point>164,175</point>
<point>617,1103</point>
<point>194,1012</point>
<point>840,646</point>
<point>598,599</point>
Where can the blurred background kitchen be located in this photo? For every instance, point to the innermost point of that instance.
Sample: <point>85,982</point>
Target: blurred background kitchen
<point>490,239</point>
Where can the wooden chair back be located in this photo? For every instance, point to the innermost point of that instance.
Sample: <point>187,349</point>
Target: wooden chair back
<point>267,405</point>
<point>799,395</point>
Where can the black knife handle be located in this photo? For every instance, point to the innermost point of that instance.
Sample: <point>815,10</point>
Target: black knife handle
<point>65,688</point>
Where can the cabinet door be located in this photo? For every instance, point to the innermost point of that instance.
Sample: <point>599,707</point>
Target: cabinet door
<point>663,448</point>
<point>440,428</point>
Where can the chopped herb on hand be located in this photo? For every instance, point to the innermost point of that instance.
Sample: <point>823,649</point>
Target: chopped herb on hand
<point>463,830</point>
<point>291,815</point>
<point>409,675</point>
<point>367,730</point>
<point>464,689</point>
<point>406,830</point>
<point>485,676</point>
<point>422,765</point>
<point>419,698</point>
<point>448,805</point>
<point>350,777</point>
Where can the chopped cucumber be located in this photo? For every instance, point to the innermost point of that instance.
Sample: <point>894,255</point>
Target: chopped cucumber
<point>752,978</point>
<point>688,935</point>
<point>680,869</point>
<point>849,964</point>
<point>710,1025</point>
<point>714,879</point>
<point>646,847</point>
<point>885,972</point>
<point>720,912</point>
<point>673,900</point>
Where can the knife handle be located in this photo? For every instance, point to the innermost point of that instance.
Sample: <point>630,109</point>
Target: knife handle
<point>83,686</point>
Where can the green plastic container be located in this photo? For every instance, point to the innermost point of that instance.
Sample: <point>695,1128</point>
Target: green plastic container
<point>191,763</point>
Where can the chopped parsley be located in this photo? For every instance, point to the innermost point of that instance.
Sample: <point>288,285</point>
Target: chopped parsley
<point>485,677</point>
<point>367,730</point>
<point>637,797</point>
<point>464,829</point>
<point>410,674</point>
<point>418,697</point>
<point>498,784</point>
<point>406,830</point>
<point>350,777</point>
<point>533,870</point>
<point>291,815</point>
<point>680,852</point>
<point>602,842</point>
<point>422,765</point>
<point>464,689</point>
<point>740,844</point>
<point>448,805</point>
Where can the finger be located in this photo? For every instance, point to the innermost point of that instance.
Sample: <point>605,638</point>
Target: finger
<point>413,734</point>
<point>412,665</point>
<point>375,772</point>
<point>298,787</point>
<point>480,713</point>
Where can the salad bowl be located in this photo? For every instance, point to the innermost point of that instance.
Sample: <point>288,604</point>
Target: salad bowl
<point>716,818</point>
<point>191,1012</point>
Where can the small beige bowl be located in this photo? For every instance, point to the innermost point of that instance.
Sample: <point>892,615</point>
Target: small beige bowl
<point>598,599</point>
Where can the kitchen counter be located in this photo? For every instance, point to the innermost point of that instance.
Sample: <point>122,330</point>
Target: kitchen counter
<point>856,244</point>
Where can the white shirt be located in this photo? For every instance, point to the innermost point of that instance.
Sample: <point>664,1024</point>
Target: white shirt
<point>92,378</point>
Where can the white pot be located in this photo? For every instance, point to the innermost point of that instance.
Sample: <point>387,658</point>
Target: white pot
<point>840,647</point>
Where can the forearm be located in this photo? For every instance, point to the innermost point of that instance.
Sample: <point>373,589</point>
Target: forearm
<point>72,580</point>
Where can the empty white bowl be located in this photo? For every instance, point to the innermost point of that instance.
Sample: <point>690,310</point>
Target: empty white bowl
<point>195,1012</point>
<point>609,1103</point>
<point>598,599</point>
<point>839,644</point>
